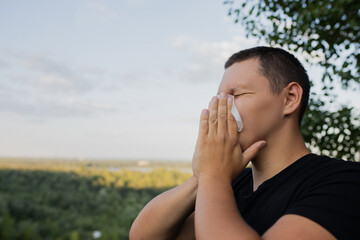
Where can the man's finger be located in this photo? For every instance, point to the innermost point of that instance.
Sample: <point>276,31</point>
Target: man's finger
<point>251,152</point>
<point>232,126</point>
<point>213,109</point>
<point>222,115</point>
<point>204,123</point>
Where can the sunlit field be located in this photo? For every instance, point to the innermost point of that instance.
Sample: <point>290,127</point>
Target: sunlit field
<point>79,199</point>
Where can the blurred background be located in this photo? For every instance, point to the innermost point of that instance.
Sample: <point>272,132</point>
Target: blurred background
<point>100,99</point>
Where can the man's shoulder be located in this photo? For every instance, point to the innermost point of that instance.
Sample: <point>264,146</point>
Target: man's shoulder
<point>328,194</point>
<point>309,169</point>
<point>327,165</point>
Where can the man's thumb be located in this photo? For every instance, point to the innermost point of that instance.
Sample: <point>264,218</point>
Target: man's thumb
<point>251,152</point>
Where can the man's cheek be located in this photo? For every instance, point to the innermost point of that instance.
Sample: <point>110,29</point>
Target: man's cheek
<point>249,134</point>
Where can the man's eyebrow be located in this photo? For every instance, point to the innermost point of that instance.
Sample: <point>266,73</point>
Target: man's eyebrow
<point>233,89</point>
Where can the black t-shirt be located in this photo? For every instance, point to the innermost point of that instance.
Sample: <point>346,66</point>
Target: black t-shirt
<point>320,188</point>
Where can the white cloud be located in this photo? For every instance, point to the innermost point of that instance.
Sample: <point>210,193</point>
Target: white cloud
<point>103,9</point>
<point>48,76</point>
<point>204,60</point>
<point>42,64</point>
<point>137,3</point>
<point>94,106</point>
<point>216,51</point>
<point>45,107</point>
<point>39,107</point>
<point>93,70</point>
<point>42,87</point>
<point>4,65</point>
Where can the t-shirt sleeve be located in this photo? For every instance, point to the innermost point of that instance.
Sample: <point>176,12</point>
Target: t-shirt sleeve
<point>333,202</point>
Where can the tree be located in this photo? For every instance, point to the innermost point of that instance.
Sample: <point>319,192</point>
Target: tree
<point>328,34</point>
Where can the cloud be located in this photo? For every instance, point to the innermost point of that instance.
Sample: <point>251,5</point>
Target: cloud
<point>204,60</point>
<point>42,87</point>
<point>52,76</point>
<point>40,108</point>
<point>93,70</point>
<point>42,64</point>
<point>212,50</point>
<point>4,65</point>
<point>93,106</point>
<point>45,75</point>
<point>44,107</point>
<point>137,3</point>
<point>102,9</point>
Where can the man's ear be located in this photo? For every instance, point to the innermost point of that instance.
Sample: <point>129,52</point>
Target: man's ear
<point>293,94</point>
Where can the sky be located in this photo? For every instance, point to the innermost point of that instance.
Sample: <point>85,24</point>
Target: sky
<point>113,79</point>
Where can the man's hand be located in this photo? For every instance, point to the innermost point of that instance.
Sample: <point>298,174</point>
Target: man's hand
<point>218,152</point>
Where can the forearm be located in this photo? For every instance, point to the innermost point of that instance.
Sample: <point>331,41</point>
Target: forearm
<point>216,213</point>
<point>162,217</point>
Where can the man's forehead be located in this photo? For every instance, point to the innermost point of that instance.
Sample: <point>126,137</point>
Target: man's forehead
<point>240,76</point>
<point>234,83</point>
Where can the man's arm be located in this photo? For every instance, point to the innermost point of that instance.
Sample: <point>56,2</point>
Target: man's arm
<point>217,216</point>
<point>218,159</point>
<point>164,216</point>
<point>187,231</point>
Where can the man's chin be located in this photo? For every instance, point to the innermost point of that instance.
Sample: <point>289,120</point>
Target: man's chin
<point>244,144</point>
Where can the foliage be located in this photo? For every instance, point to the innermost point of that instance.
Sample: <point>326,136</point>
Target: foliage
<point>329,30</point>
<point>42,204</point>
<point>338,131</point>
<point>326,33</point>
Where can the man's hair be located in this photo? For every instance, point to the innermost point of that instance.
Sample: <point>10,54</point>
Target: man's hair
<point>279,67</point>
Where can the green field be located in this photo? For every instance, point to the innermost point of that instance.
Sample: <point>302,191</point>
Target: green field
<point>72,199</point>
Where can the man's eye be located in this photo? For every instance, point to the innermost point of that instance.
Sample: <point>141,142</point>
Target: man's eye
<point>238,95</point>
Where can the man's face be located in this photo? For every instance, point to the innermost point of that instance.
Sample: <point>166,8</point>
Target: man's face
<point>260,109</point>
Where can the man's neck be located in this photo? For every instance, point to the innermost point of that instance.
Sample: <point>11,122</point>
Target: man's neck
<point>280,152</point>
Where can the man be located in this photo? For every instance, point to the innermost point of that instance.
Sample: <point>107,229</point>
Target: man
<point>287,194</point>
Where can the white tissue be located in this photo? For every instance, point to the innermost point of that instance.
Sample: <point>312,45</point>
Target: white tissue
<point>236,114</point>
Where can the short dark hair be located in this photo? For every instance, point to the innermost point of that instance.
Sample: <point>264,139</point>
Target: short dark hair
<point>279,67</point>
